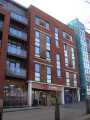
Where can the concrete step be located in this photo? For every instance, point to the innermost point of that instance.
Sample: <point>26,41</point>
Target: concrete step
<point>19,109</point>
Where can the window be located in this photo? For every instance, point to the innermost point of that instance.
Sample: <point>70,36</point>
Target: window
<point>67,36</point>
<point>47,42</point>
<point>18,67</point>
<point>37,51</point>
<point>71,79</point>
<point>47,47</point>
<point>41,22</point>
<point>58,72</point>
<point>69,53</point>
<point>67,79</point>
<point>37,72</point>
<point>47,54</point>
<point>58,65</point>
<point>56,37</point>
<point>18,33</point>
<point>37,68</point>
<point>37,35</point>
<point>18,17</point>
<point>73,57</point>
<point>37,20</point>
<point>48,74</point>
<point>12,66</point>
<point>75,80</point>
<point>66,53</point>
<point>37,43</point>
<point>11,48</point>
<point>15,67</point>
<point>16,49</point>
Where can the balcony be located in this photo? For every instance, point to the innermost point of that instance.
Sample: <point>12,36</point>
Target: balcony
<point>20,73</point>
<point>18,34</point>
<point>17,51</point>
<point>19,18</point>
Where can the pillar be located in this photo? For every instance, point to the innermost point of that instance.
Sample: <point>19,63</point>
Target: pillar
<point>78,94</point>
<point>62,95</point>
<point>30,94</point>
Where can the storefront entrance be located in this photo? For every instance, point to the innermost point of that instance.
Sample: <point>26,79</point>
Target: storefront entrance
<point>70,95</point>
<point>43,97</point>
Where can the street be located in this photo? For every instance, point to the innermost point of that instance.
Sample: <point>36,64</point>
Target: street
<point>67,112</point>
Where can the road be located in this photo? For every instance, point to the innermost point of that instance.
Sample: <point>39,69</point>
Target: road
<point>67,112</point>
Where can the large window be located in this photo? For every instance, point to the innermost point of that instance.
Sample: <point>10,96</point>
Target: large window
<point>37,72</point>
<point>48,74</point>
<point>66,53</point>
<point>47,47</point>
<point>15,67</point>
<point>58,65</point>
<point>67,79</point>
<point>56,37</point>
<point>42,45</point>
<point>67,36</point>
<point>41,22</point>
<point>47,42</point>
<point>75,80</point>
<point>15,48</point>
<point>37,43</point>
<point>69,56</point>
<point>71,79</point>
<point>73,57</point>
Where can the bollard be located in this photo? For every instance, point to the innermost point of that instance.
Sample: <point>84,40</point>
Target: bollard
<point>87,106</point>
<point>57,108</point>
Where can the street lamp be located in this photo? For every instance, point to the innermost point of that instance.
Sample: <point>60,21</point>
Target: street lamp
<point>57,107</point>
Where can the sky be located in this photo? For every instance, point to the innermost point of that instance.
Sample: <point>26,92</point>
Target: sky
<point>63,10</point>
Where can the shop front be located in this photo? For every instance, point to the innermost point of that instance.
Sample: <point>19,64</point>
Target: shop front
<point>71,95</point>
<point>42,97</point>
<point>44,94</point>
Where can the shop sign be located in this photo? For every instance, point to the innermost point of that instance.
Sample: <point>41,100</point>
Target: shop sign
<point>44,86</point>
<point>53,87</point>
<point>40,86</point>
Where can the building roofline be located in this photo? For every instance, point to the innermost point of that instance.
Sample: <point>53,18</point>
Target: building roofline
<point>17,4</point>
<point>52,17</point>
<point>32,6</point>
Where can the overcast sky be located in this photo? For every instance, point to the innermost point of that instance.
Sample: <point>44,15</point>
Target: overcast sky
<point>63,10</point>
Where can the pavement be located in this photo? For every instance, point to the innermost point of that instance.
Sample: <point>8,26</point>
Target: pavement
<point>67,112</point>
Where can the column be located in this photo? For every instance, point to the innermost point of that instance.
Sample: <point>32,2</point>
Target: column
<point>62,95</point>
<point>78,94</point>
<point>30,93</point>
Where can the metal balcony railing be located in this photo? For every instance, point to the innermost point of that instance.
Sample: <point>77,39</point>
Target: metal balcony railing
<point>21,73</point>
<point>17,52</point>
<point>19,18</point>
<point>17,33</point>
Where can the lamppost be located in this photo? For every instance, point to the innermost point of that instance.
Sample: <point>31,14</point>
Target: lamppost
<point>57,107</point>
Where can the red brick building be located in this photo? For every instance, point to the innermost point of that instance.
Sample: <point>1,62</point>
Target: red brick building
<point>38,57</point>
